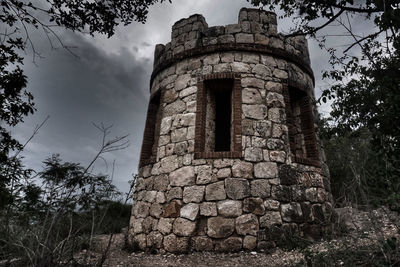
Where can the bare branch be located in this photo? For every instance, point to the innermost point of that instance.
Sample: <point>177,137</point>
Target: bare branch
<point>314,30</point>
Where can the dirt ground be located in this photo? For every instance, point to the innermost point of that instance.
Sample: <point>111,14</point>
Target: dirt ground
<point>362,228</point>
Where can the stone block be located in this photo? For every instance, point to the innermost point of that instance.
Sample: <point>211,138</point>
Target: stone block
<point>266,170</point>
<point>254,205</point>
<point>190,211</point>
<point>193,194</point>
<point>136,225</point>
<point>288,175</point>
<point>226,39</point>
<point>258,112</point>
<point>219,227</point>
<point>154,239</point>
<point>280,74</point>
<point>215,191</point>
<point>222,67</point>
<point>232,28</point>
<point>227,57</point>
<point>222,163</point>
<point>271,204</point>
<point>179,135</point>
<point>184,120</point>
<point>270,218</point>
<point>182,177</point>
<point>139,241</point>
<point>262,71</point>
<point>249,242</point>
<point>261,39</point>
<point>244,38</point>
<point>141,209</point>
<point>251,96</point>
<point>275,100</point>
<point>224,173</point>
<point>237,188</point>
<point>175,244</point>
<point>277,115</point>
<point>160,198</point>
<point>208,209</point>
<point>161,182</point>
<point>253,154</point>
<point>281,193</point>
<point>260,188</point>
<point>174,193</point>
<point>275,144</point>
<point>253,82</point>
<point>169,164</point>
<point>205,175</point>
<point>242,169</point>
<point>292,212</point>
<point>247,224</point>
<point>229,208</point>
<point>202,243</point>
<point>212,59</point>
<point>182,82</point>
<point>172,210</point>
<point>164,225</point>
<point>150,196</point>
<point>183,227</point>
<point>165,125</point>
<point>231,244</point>
<point>277,156</point>
<point>238,67</point>
<point>156,210</point>
<point>251,58</point>
<point>263,128</point>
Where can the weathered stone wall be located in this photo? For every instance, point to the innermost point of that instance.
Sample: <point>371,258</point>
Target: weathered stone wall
<point>228,204</point>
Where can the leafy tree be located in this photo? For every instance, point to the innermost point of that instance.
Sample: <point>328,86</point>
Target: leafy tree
<point>365,74</point>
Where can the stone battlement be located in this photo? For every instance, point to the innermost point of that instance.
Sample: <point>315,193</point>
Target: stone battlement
<point>256,29</point>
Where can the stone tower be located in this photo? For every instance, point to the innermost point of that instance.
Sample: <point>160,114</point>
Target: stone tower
<point>231,158</point>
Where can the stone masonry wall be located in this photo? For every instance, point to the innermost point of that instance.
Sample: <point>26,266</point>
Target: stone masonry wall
<point>229,204</point>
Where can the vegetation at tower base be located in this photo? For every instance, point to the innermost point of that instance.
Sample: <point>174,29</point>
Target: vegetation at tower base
<point>364,81</point>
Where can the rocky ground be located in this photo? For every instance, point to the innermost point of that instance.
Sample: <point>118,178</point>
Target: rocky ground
<point>361,232</point>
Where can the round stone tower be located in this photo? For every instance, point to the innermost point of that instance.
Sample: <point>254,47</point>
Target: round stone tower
<point>231,158</point>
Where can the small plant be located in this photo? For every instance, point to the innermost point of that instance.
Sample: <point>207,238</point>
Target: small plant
<point>54,214</point>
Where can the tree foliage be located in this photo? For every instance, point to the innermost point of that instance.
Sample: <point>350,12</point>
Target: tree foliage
<point>365,75</point>
<point>56,213</point>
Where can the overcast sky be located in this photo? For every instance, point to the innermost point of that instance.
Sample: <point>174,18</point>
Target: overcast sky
<point>109,83</point>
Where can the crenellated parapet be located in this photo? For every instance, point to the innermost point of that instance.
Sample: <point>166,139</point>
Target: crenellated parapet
<point>256,31</point>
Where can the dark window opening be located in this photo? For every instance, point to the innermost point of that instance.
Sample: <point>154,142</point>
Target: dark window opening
<point>219,115</point>
<point>300,120</point>
<point>218,131</point>
<point>151,131</point>
<point>299,148</point>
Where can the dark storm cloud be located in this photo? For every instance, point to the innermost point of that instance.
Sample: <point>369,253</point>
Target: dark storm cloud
<point>99,86</point>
